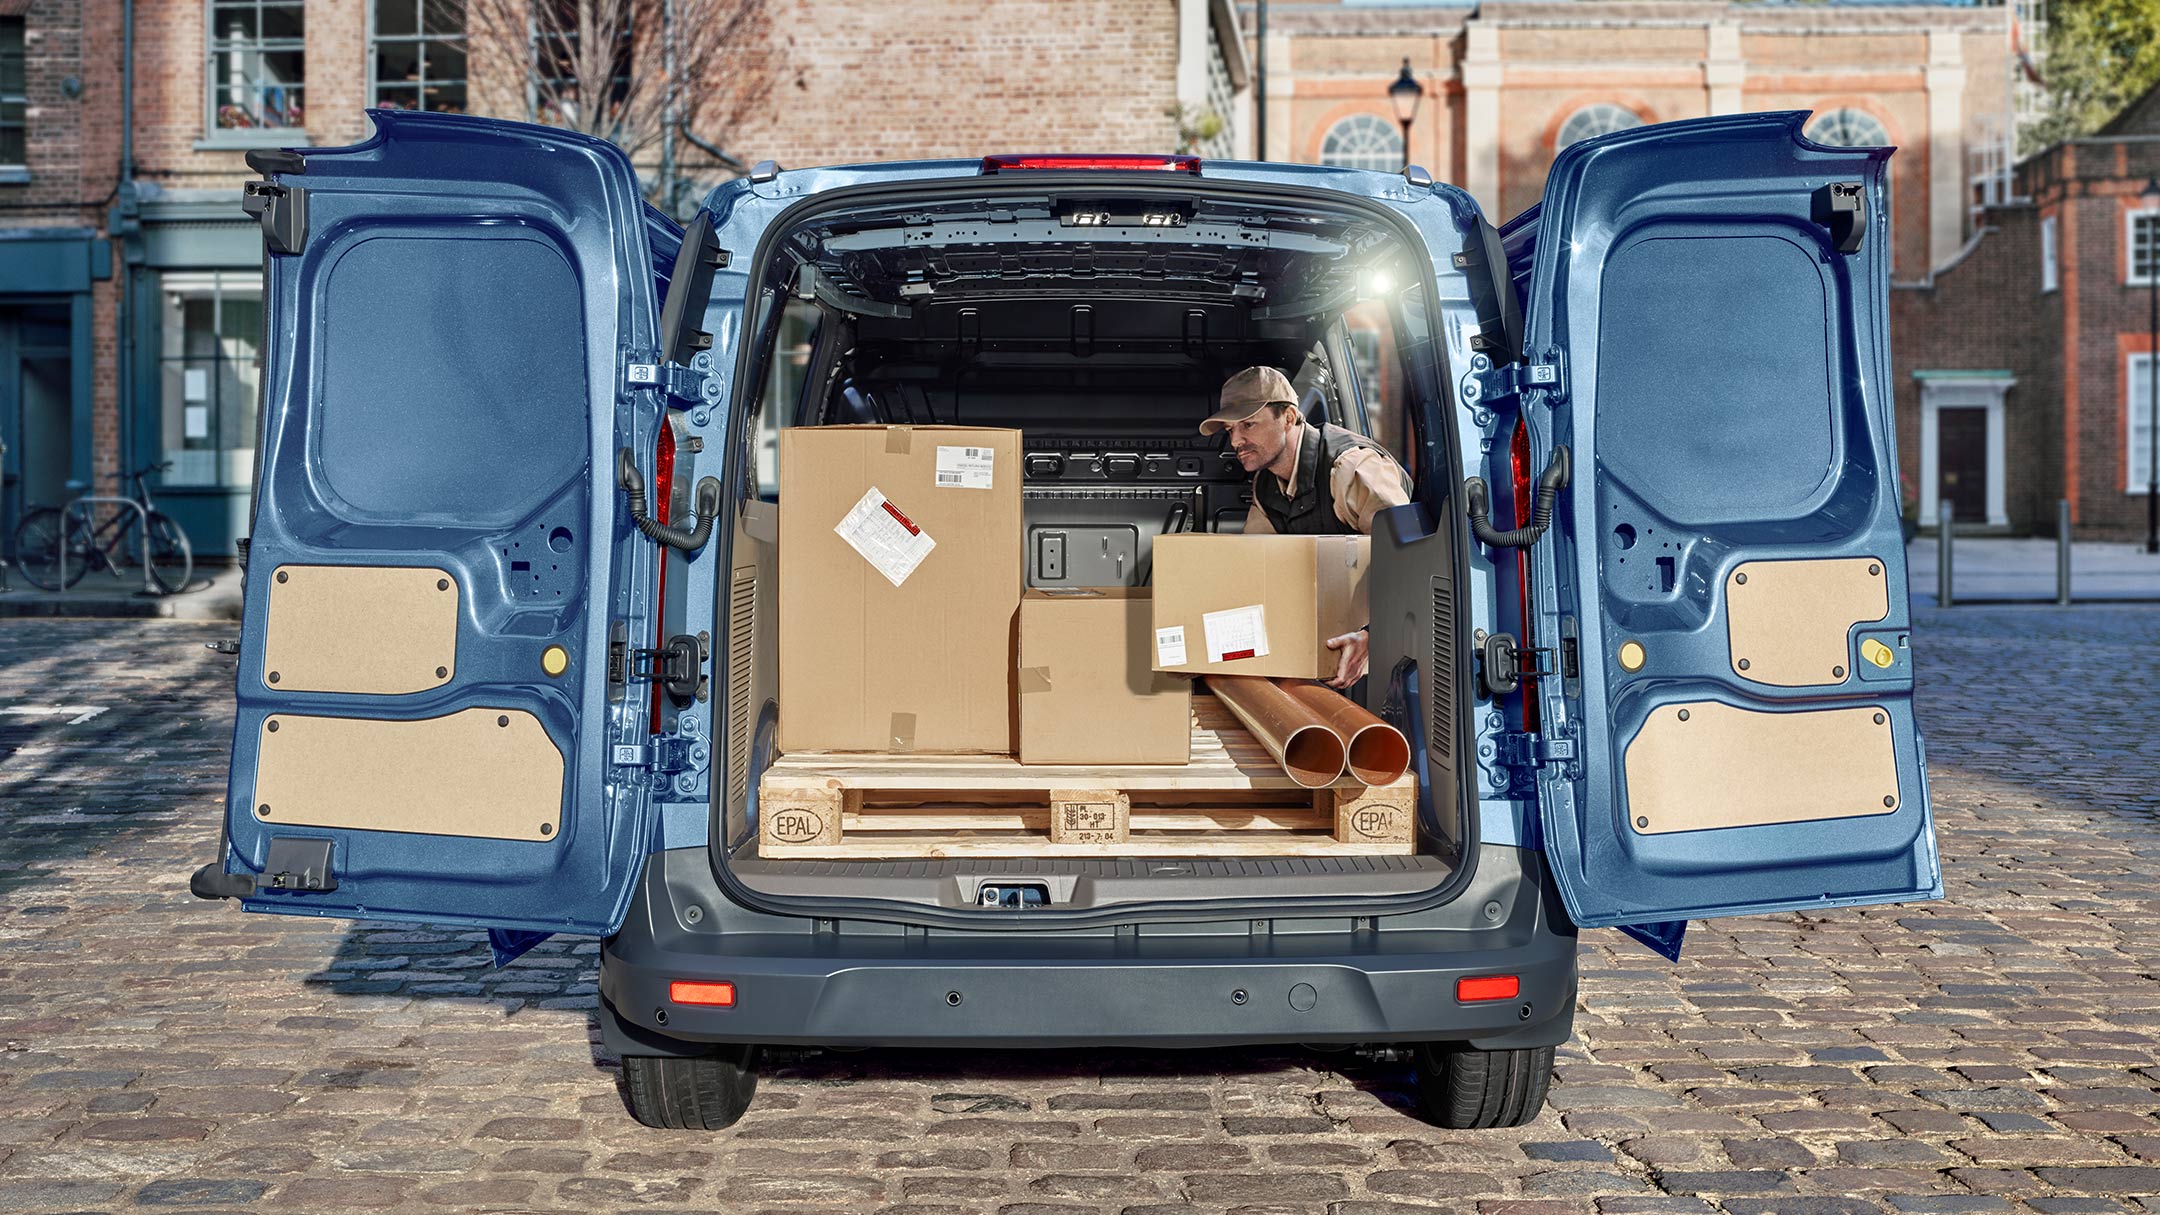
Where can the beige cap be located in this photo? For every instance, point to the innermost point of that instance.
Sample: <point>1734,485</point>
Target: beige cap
<point>1246,393</point>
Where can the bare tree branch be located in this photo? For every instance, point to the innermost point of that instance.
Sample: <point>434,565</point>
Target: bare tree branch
<point>600,66</point>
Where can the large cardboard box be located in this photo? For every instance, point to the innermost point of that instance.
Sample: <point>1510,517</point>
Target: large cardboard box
<point>1089,693</point>
<point>899,587</point>
<point>1257,605</point>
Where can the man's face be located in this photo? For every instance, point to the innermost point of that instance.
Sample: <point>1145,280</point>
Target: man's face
<point>1259,439</point>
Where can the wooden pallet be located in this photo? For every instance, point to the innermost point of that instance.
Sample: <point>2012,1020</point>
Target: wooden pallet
<point>1231,799</point>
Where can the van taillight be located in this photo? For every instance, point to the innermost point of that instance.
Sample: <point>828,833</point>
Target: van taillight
<point>664,472</point>
<point>1096,160</point>
<point>1519,474</point>
<point>664,488</point>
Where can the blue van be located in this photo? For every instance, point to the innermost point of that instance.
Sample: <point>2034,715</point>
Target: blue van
<point>508,658</point>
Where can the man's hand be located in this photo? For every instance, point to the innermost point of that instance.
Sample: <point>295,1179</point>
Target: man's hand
<point>1352,667</point>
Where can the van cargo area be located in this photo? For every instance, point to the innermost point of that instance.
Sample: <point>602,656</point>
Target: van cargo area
<point>1099,326</point>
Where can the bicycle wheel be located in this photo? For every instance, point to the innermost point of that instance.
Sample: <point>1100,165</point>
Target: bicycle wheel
<point>37,547</point>
<point>172,559</point>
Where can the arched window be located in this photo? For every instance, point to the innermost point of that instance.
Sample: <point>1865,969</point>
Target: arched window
<point>1593,120</point>
<point>1848,128</point>
<point>1363,141</point>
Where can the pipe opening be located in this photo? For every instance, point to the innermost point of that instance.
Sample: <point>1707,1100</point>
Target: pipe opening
<point>1314,757</point>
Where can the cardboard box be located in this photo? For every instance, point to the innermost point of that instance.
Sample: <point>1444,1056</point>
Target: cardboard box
<point>1257,605</point>
<point>899,585</point>
<point>1089,693</point>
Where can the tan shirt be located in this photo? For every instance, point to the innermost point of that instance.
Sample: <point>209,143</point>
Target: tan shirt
<point>1365,482</point>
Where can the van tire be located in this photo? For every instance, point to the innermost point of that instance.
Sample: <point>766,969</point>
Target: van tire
<point>702,1093</point>
<point>1466,1089</point>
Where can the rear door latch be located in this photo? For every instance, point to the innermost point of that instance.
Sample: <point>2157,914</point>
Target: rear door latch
<point>1503,663</point>
<point>678,666</point>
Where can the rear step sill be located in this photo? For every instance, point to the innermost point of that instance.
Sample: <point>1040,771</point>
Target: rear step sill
<point>1079,884</point>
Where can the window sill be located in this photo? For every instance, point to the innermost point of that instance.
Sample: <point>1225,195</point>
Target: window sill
<point>241,141</point>
<point>14,175</point>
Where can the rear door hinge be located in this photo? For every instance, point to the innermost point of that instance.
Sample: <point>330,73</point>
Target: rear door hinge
<point>1523,750</point>
<point>686,386</point>
<point>665,753</point>
<point>1486,384</point>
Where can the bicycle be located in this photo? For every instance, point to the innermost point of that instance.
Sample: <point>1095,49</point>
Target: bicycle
<point>163,548</point>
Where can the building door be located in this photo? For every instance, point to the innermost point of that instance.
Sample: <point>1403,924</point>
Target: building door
<point>1962,462</point>
<point>36,412</point>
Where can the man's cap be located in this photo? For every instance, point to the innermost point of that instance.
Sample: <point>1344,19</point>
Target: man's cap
<point>1245,394</point>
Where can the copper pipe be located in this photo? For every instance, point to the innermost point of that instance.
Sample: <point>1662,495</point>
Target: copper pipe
<point>1378,752</point>
<point>1312,754</point>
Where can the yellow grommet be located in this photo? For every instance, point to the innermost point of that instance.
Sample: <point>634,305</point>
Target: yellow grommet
<point>1631,655</point>
<point>555,660</point>
<point>1878,653</point>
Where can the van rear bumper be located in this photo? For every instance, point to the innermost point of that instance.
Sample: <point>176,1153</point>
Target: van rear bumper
<point>1156,987</point>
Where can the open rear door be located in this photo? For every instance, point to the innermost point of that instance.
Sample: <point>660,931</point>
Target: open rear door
<point>1734,733</point>
<point>424,723</point>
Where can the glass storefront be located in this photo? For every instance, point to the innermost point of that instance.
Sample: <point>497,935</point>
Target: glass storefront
<point>211,321</point>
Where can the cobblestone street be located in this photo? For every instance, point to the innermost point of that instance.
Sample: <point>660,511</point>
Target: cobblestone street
<point>1995,1051</point>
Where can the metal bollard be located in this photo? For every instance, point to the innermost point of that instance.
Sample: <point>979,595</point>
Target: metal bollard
<point>2062,552</point>
<point>1943,512</point>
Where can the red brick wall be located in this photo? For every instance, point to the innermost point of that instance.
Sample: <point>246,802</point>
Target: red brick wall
<point>1985,314</point>
<point>873,80</point>
<point>2066,420</point>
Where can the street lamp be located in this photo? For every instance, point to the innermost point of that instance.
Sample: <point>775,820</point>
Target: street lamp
<point>2151,197</point>
<point>1404,95</point>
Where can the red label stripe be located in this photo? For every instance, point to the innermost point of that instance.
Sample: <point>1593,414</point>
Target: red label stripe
<point>905,522</point>
<point>1234,655</point>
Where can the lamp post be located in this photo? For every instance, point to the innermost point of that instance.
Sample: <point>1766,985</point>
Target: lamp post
<point>1404,95</point>
<point>2151,197</point>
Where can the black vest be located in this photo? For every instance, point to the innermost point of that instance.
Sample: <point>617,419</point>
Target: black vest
<point>1309,509</point>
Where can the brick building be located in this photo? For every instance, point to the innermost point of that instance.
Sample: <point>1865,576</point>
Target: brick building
<point>1510,82</point>
<point>2024,366</point>
<point>129,309</point>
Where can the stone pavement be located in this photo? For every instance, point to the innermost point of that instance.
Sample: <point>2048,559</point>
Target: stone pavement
<point>1994,1052</point>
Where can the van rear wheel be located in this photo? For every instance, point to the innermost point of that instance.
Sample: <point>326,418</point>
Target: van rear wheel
<point>1468,1089</point>
<point>703,1093</point>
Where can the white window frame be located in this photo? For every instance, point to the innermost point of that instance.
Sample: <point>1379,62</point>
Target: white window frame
<point>1597,118</point>
<point>2136,404</point>
<point>2131,278</point>
<point>216,44</point>
<point>1363,141</point>
<point>226,467</point>
<point>420,42</point>
<point>1941,390</point>
<point>2050,267</point>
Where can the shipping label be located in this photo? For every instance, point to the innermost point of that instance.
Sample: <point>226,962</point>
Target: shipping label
<point>1170,646</point>
<point>964,467</point>
<point>885,536</point>
<point>1236,633</point>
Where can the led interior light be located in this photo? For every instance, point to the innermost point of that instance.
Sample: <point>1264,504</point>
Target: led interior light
<point>1088,219</point>
<point>1379,282</point>
<point>1163,219</point>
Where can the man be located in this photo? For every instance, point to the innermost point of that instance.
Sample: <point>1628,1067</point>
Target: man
<point>1307,479</point>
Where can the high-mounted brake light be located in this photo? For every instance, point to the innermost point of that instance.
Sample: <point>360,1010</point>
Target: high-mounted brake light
<point>1487,987</point>
<point>1095,160</point>
<point>712,995</point>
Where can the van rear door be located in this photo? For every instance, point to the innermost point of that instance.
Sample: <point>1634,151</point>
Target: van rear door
<point>425,727</point>
<point>1734,730</point>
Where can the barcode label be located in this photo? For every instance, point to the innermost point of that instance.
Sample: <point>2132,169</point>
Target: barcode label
<point>965,467</point>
